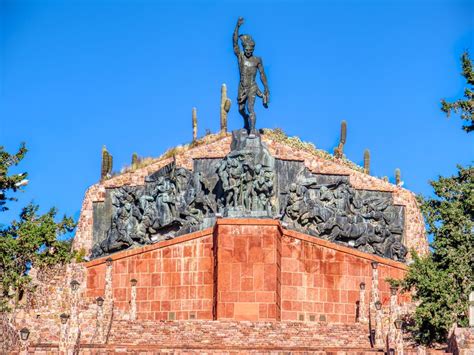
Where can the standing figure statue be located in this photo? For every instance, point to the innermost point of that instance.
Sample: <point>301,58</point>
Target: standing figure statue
<point>248,89</point>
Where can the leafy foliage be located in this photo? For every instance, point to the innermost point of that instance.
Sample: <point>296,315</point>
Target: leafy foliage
<point>443,280</point>
<point>464,107</point>
<point>30,241</point>
<point>10,182</point>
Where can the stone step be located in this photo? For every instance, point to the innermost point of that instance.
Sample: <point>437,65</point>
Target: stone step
<point>99,349</point>
<point>231,337</point>
<point>414,351</point>
<point>93,349</point>
<point>244,334</point>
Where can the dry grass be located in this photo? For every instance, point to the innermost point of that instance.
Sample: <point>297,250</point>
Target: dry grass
<point>278,135</point>
<point>172,152</point>
<point>275,134</point>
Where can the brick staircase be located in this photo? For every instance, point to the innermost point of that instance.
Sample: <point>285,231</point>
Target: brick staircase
<point>234,337</point>
<point>245,334</point>
<point>230,337</point>
<point>414,351</point>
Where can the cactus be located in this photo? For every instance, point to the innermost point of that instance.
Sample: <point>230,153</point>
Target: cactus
<point>398,178</point>
<point>385,178</point>
<point>103,163</point>
<point>135,160</point>
<point>225,107</point>
<point>106,163</point>
<point>110,164</point>
<point>339,150</point>
<point>343,133</point>
<point>367,161</point>
<point>195,124</point>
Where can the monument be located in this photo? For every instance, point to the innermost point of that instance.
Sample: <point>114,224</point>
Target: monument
<point>248,88</point>
<point>240,226</point>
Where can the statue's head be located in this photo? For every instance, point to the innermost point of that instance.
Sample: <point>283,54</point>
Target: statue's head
<point>248,44</point>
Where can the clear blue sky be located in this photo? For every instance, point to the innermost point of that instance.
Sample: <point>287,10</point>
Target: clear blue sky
<point>79,74</point>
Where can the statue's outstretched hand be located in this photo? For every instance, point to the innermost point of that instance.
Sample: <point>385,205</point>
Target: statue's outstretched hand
<point>240,21</point>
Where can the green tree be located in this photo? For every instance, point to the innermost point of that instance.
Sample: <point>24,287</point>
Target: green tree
<point>442,281</point>
<point>30,241</point>
<point>464,107</point>
<point>10,182</point>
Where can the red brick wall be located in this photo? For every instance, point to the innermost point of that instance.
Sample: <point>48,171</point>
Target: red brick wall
<point>247,271</point>
<point>243,269</point>
<point>174,278</point>
<point>387,272</point>
<point>322,284</point>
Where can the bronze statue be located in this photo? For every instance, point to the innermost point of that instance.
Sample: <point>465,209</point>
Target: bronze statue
<point>248,89</point>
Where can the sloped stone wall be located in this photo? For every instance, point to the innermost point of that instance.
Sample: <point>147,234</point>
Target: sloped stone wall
<point>174,279</point>
<point>320,282</point>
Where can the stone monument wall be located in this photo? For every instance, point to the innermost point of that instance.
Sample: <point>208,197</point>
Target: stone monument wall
<point>242,269</point>
<point>321,281</point>
<point>248,265</point>
<point>413,231</point>
<point>174,279</point>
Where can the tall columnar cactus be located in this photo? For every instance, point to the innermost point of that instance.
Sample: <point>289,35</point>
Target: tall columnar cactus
<point>225,107</point>
<point>103,163</point>
<point>398,178</point>
<point>367,161</point>
<point>106,163</point>
<point>195,124</point>
<point>110,164</point>
<point>339,150</point>
<point>135,160</point>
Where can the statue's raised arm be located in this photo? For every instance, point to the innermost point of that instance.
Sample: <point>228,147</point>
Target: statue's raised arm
<point>235,37</point>
<point>248,88</point>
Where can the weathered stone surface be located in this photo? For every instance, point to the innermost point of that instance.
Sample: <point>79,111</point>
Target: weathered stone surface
<point>414,236</point>
<point>248,182</point>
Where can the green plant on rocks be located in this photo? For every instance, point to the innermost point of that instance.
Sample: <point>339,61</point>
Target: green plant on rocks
<point>195,124</point>
<point>339,150</point>
<point>106,164</point>
<point>224,109</point>
<point>135,160</point>
<point>367,161</point>
<point>398,178</point>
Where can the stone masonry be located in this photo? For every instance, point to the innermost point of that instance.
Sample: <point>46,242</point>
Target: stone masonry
<point>414,232</point>
<point>241,285</point>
